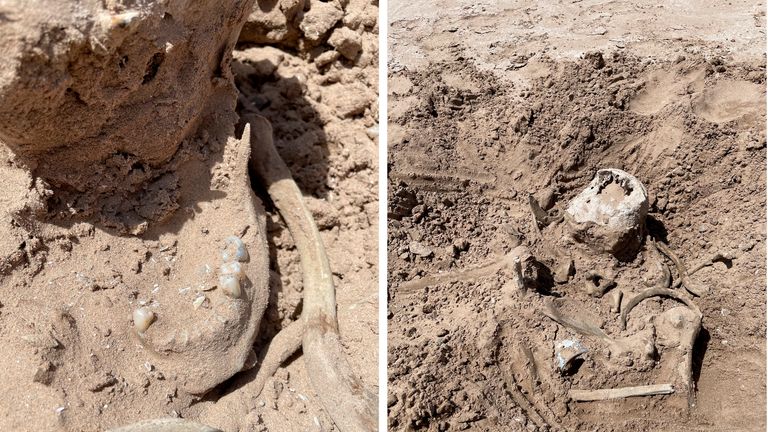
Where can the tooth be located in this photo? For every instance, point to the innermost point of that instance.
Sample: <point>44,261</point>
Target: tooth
<point>230,284</point>
<point>233,269</point>
<point>234,248</point>
<point>142,318</point>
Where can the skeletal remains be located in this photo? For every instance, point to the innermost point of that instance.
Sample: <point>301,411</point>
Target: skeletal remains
<point>351,406</point>
<point>608,218</point>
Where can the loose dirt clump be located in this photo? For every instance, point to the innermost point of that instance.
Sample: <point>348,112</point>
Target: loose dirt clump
<point>481,166</point>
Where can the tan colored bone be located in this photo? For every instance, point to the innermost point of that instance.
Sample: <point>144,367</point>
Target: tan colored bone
<point>619,393</point>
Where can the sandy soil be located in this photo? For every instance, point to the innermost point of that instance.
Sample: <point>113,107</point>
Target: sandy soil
<point>488,105</point>
<point>69,282</point>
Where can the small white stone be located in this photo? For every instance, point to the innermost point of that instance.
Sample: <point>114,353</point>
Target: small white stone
<point>198,301</point>
<point>204,270</point>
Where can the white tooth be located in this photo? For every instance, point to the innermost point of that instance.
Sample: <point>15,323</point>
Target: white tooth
<point>234,248</point>
<point>233,269</point>
<point>230,284</point>
<point>142,318</point>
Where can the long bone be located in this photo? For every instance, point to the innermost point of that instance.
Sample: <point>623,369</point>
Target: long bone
<point>346,399</point>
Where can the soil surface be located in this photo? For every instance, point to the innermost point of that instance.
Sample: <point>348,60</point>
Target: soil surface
<point>490,109</point>
<point>70,280</point>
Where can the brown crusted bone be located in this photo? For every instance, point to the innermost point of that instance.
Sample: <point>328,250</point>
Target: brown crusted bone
<point>186,340</point>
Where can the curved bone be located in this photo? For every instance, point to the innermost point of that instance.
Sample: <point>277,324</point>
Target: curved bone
<point>634,301</point>
<point>351,406</point>
<point>684,279</point>
<point>283,346</point>
<point>205,346</point>
<point>717,256</point>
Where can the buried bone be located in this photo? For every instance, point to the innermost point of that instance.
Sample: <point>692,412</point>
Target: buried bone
<point>616,301</point>
<point>566,352</point>
<point>678,328</point>
<point>205,346</point>
<point>541,218</point>
<point>674,325</point>
<point>654,292</point>
<point>642,343</point>
<point>685,280</point>
<point>664,279</point>
<point>618,393</point>
<point>584,327</point>
<point>598,284</point>
<point>564,271</point>
<point>350,404</point>
<point>519,260</point>
<point>609,215</point>
<point>726,258</point>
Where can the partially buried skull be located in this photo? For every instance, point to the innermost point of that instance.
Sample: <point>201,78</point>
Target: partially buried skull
<point>609,215</point>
